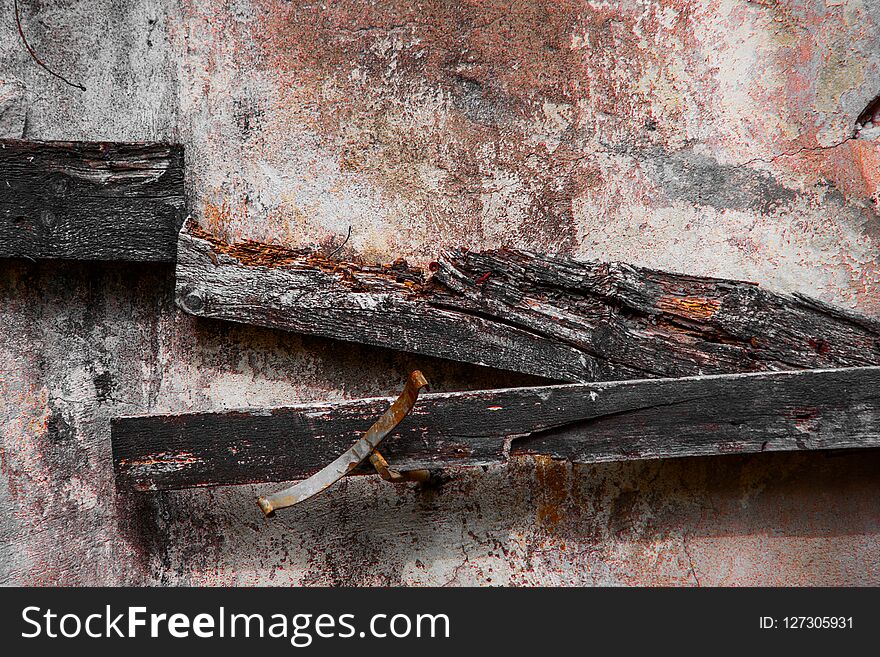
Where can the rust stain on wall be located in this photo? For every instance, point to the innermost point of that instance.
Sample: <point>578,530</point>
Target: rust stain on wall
<point>552,482</point>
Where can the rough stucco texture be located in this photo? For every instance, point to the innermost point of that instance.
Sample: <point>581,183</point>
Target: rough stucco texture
<point>722,137</point>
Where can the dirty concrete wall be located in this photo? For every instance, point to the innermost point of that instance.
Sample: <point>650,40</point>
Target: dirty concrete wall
<point>717,137</point>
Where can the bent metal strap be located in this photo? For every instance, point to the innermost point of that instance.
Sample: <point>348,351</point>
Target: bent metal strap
<point>352,457</point>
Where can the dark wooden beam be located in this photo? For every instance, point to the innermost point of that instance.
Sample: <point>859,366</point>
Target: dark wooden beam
<point>583,423</point>
<point>90,200</point>
<point>554,317</point>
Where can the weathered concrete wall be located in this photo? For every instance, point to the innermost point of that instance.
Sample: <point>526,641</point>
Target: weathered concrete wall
<point>707,137</point>
<point>714,137</point>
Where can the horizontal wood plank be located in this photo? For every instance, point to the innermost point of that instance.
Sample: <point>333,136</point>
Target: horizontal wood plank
<point>583,423</point>
<point>554,317</point>
<point>91,200</point>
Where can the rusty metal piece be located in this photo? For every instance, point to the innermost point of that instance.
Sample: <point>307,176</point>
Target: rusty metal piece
<point>352,457</point>
<point>396,476</point>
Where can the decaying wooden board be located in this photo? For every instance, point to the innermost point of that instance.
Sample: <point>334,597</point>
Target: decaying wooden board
<point>90,200</point>
<point>584,423</point>
<point>555,317</point>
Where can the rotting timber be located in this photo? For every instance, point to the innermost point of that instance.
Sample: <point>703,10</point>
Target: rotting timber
<point>551,316</point>
<point>582,423</point>
<point>677,365</point>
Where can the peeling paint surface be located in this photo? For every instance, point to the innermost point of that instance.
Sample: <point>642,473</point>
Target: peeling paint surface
<point>720,138</point>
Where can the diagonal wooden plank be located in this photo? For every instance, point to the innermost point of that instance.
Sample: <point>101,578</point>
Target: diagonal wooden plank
<point>263,285</point>
<point>90,200</point>
<point>555,317</point>
<point>584,423</point>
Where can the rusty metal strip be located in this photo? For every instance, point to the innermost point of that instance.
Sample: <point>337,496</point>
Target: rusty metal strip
<point>396,476</point>
<point>352,457</point>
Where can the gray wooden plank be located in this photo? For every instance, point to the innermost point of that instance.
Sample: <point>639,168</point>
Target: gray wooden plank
<point>555,317</point>
<point>583,423</point>
<point>91,200</point>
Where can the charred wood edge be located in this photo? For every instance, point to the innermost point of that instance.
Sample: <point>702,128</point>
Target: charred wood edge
<point>555,317</point>
<point>582,423</point>
<point>91,200</point>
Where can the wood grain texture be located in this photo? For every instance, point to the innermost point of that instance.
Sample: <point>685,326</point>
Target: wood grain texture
<point>583,423</point>
<point>555,317</point>
<point>90,200</point>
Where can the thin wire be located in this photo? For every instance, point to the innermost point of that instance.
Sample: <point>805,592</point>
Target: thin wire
<point>339,248</point>
<point>34,55</point>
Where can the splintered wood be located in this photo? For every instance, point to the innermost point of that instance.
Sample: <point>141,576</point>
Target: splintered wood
<point>555,317</point>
